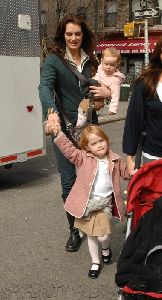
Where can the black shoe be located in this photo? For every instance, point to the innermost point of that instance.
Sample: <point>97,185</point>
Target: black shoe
<point>74,241</point>
<point>107,258</point>
<point>94,273</point>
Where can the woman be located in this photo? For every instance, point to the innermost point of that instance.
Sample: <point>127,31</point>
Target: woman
<point>145,113</point>
<point>61,92</point>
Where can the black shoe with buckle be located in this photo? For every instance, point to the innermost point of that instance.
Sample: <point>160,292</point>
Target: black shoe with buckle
<point>94,273</point>
<point>107,258</point>
<point>74,241</point>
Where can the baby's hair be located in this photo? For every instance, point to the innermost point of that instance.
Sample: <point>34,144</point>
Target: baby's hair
<point>112,52</point>
<point>84,138</point>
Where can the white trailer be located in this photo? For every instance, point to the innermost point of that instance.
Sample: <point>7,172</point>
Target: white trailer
<point>21,124</point>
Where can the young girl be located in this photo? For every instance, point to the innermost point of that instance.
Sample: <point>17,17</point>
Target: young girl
<point>111,77</point>
<point>96,191</point>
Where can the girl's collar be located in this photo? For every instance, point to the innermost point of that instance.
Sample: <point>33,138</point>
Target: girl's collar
<point>111,155</point>
<point>68,56</point>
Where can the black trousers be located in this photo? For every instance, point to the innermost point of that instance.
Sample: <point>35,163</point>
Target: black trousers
<point>67,176</point>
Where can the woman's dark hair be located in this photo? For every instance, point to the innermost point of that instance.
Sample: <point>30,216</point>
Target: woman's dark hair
<point>152,72</point>
<point>87,45</point>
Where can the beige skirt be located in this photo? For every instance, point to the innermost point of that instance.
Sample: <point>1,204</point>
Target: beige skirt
<point>97,225</point>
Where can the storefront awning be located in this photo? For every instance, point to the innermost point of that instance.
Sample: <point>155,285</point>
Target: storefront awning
<point>128,45</point>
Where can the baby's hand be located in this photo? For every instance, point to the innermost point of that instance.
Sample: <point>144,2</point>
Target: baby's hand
<point>111,113</point>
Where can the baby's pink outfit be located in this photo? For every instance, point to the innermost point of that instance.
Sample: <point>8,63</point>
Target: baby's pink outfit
<point>113,82</point>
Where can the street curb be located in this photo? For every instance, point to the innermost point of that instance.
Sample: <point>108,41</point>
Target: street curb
<point>100,121</point>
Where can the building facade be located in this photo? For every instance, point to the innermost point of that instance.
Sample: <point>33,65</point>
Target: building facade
<point>107,19</point>
<point>132,47</point>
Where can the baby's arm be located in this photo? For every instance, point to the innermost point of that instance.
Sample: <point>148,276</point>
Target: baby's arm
<point>115,95</point>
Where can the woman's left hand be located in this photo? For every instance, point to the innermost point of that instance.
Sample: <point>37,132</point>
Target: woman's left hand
<point>100,91</point>
<point>52,123</point>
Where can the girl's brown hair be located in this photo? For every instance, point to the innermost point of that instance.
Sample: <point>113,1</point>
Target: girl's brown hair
<point>112,52</point>
<point>87,45</point>
<point>152,72</point>
<point>84,138</point>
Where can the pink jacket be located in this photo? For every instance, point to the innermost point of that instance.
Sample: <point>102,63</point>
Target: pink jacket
<point>113,82</point>
<point>87,166</point>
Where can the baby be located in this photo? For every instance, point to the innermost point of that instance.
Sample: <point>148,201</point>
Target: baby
<point>111,77</point>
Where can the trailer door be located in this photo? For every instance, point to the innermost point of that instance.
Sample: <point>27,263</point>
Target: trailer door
<point>20,109</point>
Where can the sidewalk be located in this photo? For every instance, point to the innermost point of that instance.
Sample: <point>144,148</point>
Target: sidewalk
<point>122,110</point>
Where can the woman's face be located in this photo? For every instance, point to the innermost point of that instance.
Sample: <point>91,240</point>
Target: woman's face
<point>73,36</point>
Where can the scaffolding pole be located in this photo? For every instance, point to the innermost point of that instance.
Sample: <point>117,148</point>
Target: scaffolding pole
<point>146,42</point>
<point>96,24</point>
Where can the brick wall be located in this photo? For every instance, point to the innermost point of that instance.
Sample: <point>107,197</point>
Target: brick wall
<point>122,13</point>
<point>49,7</point>
<point>56,9</point>
<point>55,12</point>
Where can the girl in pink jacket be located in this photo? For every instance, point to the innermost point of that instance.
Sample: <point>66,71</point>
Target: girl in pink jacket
<point>111,77</point>
<point>96,193</point>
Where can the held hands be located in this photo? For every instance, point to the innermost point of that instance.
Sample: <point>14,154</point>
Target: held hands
<point>53,124</point>
<point>56,128</point>
<point>100,91</point>
<point>131,165</point>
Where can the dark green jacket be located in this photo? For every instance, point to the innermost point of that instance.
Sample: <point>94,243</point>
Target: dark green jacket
<point>57,78</point>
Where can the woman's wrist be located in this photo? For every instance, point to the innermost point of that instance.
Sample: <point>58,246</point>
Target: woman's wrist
<point>130,158</point>
<point>51,111</point>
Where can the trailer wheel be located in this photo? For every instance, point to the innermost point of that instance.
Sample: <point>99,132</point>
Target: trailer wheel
<point>9,166</point>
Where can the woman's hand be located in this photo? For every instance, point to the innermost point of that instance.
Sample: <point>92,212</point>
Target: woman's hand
<point>52,123</point>
<point>100,91</point>
<point>131,165</point>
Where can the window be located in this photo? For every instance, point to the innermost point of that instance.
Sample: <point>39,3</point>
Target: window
<point>81,12</point>
<point>158,20</point>
<point>140,5</point>
<point>110,13</point>
<point>135,6</point>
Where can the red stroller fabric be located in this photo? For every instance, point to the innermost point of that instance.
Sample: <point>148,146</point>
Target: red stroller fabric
<point>143,189</point>
<point>128,290</point>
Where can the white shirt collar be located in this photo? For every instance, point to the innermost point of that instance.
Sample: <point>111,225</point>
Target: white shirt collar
<point>68,56</point>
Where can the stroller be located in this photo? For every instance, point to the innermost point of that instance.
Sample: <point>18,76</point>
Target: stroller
<point>139,267</point>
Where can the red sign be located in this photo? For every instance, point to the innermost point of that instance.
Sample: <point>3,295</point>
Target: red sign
<point>129,45</point>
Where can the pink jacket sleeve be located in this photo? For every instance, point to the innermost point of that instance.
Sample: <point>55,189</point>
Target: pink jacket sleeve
<point>115,94</point>
<point>74,155</point>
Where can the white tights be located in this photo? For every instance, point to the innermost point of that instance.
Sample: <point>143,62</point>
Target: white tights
<point>93,245</point>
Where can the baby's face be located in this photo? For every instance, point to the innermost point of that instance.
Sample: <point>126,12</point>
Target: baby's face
<point>109,64</point>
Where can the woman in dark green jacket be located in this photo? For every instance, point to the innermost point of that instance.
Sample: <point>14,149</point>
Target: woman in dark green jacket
<point>61,93</point>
